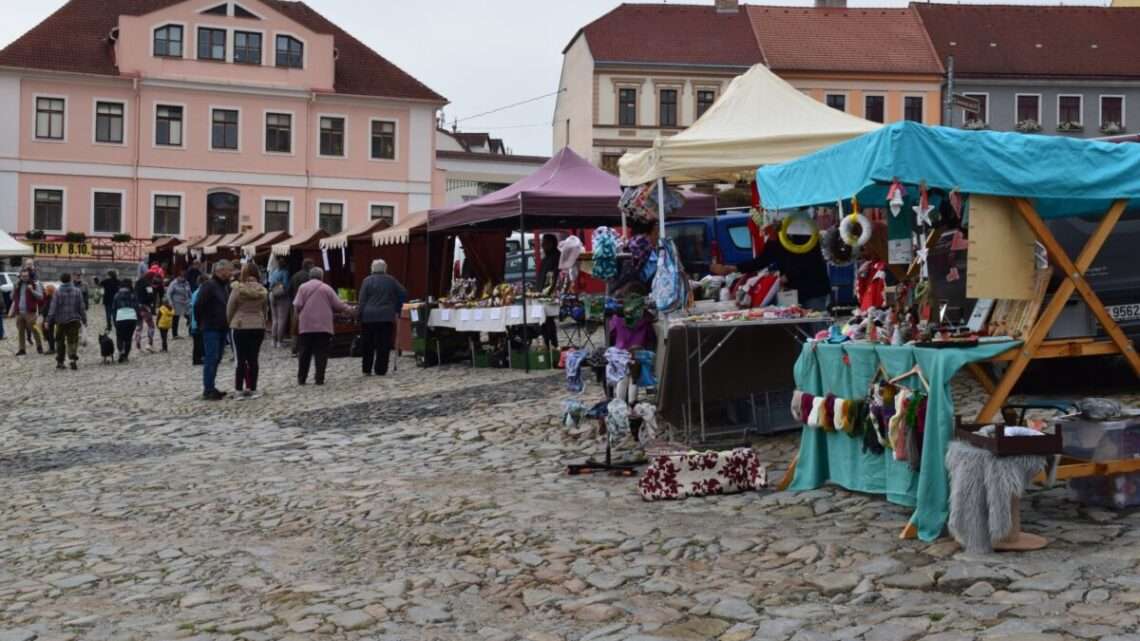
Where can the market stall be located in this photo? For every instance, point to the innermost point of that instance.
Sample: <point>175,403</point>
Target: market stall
<point>261,248</point>
<point>231,246</point>
<point>161,250</point>
<point>296,249</point>
<point>348,255</point>
<point>900,354</point>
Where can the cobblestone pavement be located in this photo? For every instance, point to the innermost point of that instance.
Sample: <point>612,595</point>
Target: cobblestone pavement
<point>432,504</point>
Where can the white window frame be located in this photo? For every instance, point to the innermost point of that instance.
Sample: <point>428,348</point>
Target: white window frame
<point>154,123</point>
<point>95,121</point>
<point>234,3</point>
<point>869,94</point>
<point>210,136</point>
<point>66,117</point>
<point>229,8</point>
<point>395,142</point>
<point>986,115</point>
<point>902,107</point>
<point>697,89</point>
<point>846,99</point>
<point>169,23</point>
<point>331,201</point>
<point>229,57</point>
<point>292,210</point>
<point>233,45</point>
<point>1123,108</point>
<point>304,50</point>
<point>32,207</point>
<point>1080,97</point>
<point>1040,106</point>
<point>292,132</point>
<point>181,211</point>
<point>122,210</point>
<point>347,136</point>
<point>382,203</point>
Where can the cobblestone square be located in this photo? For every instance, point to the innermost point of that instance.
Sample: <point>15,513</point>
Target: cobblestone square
<point>433,504</point>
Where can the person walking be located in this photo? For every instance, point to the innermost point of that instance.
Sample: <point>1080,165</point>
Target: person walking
<point>194,275</point>
<point>165,321</point>
<point>379,302</point>
<point>68,315</point>
<point>248,314</point>
<point>46,326</point>
<point>178,294</point>
<point>295,283</point>
<point>27,297</point>
<point>210,312</point>
<point>316,303</point>
<point>126,309</point>
<point>195,331</point>
<point>280,301</point>
<point>110,286</point>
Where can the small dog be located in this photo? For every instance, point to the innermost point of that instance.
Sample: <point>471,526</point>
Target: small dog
<point>106,348</point>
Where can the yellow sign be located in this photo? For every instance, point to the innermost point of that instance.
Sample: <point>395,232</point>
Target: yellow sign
<point>62,249</point>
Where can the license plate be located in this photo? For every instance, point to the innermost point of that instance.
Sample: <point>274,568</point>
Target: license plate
<point>1124,313</point>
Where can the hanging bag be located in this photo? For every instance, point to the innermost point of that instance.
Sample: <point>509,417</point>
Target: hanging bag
<point>670,286</point>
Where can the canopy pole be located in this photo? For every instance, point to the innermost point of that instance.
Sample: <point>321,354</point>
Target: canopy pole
<point>526,317</point>
<point>427,287</point>
<point>660,205</point>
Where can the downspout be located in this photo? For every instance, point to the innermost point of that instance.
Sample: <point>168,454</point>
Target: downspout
<point>308,156</point>
<point>136,156</point>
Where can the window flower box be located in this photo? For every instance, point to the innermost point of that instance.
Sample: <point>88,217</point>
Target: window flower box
<point>75,237</point>
<point>121,238</point>
<point>974,124</point>
<point>34,234</point>
<point>1069,125</point>
<point>1028,126</point>
<point>1111,128</point>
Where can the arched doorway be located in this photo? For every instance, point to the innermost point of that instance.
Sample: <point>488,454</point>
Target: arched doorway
<point>222,216</point>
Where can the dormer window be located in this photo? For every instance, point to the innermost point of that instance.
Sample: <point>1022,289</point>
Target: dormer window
<point>168,41</point>
<point>220,10</point>
<point>211,44</point>
<point>242,12</point>
<point>290,52</point>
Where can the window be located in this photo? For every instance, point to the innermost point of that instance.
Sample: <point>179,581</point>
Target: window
<point>332,136</point>
<point>290,52</point>
<point>242,12</point>
<point>49,118</point>
<point>382,212</point>
<point>168,41</point>
<point>48,213</point>
<point>836,101</point>
<point>627,107</point>
<point>982,114</point>
<point>610,162</point>
<point>276,215</point>
<point>109,122</point>
<point>331,217</point>
<point>108,212</point>
<point>224,129</point>
<point>874,108</point>
<point>1029,108</point>
<point>279,133</point>
<point>667,115</point>
<point>168,125</point>
<point>705,99</point>
<point>211,44</point>
<point>167,215</point>
<point>1112,111</point>
<point>220,10</point>
<point>247,48</point>
<point>912,108</point>
<point>383,140</point>
<point>1069,109</point>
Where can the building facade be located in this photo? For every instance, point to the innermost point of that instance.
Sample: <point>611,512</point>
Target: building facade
<point>184,118</point>
<point>1053,70</point>
<point>475,164</point>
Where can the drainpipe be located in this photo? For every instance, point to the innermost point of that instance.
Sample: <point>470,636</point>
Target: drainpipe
<point>136,155</point>
<point>308,155</point>
<point>948,103</point>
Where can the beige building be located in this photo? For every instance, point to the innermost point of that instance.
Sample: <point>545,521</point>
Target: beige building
<point>475,164</point>
<point>646,69</point>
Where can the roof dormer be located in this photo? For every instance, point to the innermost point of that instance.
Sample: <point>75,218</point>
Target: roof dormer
<point>229,9</point>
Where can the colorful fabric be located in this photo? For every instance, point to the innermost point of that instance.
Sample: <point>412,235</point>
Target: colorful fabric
<point>702,474</point>
<point>605,243</point>
<point>574,359</point>
<point>670,285</point>
<point>617,365</point>
<point>617,420</point>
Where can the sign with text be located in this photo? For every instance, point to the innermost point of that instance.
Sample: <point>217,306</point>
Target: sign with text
<point>54,249</point>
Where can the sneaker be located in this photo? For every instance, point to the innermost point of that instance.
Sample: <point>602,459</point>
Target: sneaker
<point>213,395</point>
<point>247,393</point>
<point>59,366</point>
<point>21,353</point>
<point>74,365</point>
<point>253,395</point>
<point>39,350</point>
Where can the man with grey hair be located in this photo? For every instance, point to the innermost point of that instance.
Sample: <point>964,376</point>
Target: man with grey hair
<point>210,315</point>
<point>316,303</point>
<point>380,299</point>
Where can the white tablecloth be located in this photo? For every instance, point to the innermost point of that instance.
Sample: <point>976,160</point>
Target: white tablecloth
<point>491,319</point>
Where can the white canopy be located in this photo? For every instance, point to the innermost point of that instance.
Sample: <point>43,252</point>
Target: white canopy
<point>760,120</point>
<point>399,233</point>
<point>11,247</point>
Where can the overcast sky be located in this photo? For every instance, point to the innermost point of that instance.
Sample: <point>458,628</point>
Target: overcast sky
<point>480,54</point>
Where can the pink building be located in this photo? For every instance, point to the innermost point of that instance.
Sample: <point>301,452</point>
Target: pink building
<point>192,117</point>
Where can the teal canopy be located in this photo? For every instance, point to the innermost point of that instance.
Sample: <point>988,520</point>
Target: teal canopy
<point>1062,176</point>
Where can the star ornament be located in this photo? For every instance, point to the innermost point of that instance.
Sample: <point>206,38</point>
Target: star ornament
<point>922,214</point>
<point>920,257</point>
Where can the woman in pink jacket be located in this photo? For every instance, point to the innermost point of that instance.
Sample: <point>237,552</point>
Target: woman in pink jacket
<point>315,303</point>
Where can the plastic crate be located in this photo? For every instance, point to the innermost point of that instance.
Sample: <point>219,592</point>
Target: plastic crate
<point>539,359</point>
<point>1100,440</point>
<point>1117,492</point>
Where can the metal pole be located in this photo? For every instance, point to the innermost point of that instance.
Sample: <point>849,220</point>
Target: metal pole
<point>948,107</point>
<point>427,286</point>
<point>526,317</point>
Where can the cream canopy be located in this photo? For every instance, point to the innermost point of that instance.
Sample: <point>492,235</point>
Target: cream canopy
<point>760,120</point>
<point>11,247</point>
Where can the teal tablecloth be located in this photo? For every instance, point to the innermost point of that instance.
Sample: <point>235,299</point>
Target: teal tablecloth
<point>840,459</point>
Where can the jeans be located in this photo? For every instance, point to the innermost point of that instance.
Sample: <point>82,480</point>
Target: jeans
<point>376,346</point>
<point>213,341</point>
<point>196,355</point>
<point>164,333</point>
<point>247,344</point>
<point>313,346</point>
<point>108,308</point>
<point>67,339</point>
<point>174,327</point>
<point>124,330</point>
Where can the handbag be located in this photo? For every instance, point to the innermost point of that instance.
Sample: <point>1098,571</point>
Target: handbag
<point>126,314</point>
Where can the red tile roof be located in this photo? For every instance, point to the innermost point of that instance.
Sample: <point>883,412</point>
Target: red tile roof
<point>76,38</point>
<point>671,34</point>
<point>843,39</point>
<point>1018,41</point>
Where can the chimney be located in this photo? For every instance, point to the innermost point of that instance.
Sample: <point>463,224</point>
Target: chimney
<point>831,4</point>
<point>728,6</point>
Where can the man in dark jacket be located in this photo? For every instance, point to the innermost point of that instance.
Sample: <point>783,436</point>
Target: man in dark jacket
<point>210,315</point>
<point>192,275</point>
<point>380,299</point>
<point>298,279</point>
<point>110,286</point>
<point>68,314</point>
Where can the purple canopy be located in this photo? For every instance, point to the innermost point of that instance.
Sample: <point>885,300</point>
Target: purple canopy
<point>567,188</point>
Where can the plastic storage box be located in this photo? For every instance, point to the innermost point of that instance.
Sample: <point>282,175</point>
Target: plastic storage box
<point>1101,440</point>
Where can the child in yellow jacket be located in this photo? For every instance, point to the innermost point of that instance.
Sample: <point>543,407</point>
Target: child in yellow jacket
<point>165,321</point>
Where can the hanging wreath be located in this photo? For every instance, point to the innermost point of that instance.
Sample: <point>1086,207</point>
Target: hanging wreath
<point>836,251</point>
<point>846,229</point>
<point>786,240</point>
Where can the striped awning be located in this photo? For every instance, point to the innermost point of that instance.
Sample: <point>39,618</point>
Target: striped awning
<point>363,230</point>
<point>222,241</point>
<point>249,250</point>
<point>309,237</point>
<point>398,234</point>
<point>242,240</point>
<point>160,244</point>
<point>194,243</point>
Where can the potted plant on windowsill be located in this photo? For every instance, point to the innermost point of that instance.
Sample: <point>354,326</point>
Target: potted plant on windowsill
<point>1070,125</point>
<point>1028,126</point>
<point>1111,128</point>
<point>121,238</point>
<point>975,124</point>
<point>75,237</point>
<point>34,234</point>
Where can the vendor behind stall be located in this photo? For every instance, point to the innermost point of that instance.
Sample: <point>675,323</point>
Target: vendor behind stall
<point>806,273</point>
<point>638,270</point>
<point>548,267</point>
